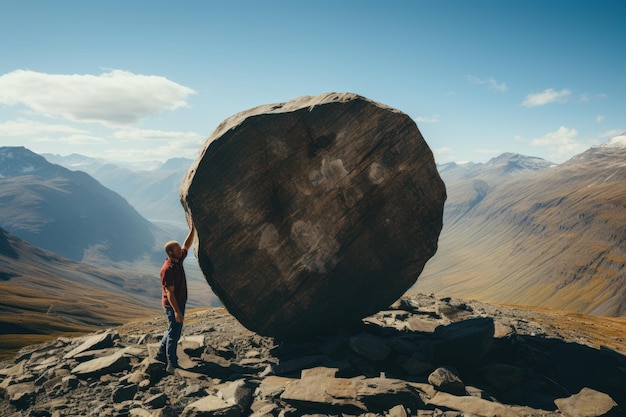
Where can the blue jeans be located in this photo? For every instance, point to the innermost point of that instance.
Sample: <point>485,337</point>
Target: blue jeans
<point>167,350</point>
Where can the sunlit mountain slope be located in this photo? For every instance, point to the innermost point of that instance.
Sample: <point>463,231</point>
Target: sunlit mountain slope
<point>553,238</point>
<point>44,294</point>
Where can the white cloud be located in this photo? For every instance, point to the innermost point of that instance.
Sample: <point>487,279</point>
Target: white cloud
<point>443,155</point>
<point>78,139</point>
<point>134,134</point>
<point>561,143</point>
<point>612,133</point>
<point>112,98</point>
<point>474,79</point>
<point>426,119</point>
<point>600,118</point>
<point>491,82</point>
<point>38,132</point>
<point>163,145</point>
<point>582,98</point>
<point>562,136</point>
<point>187,148</point>
<point>488,151</point>
<point>127,145</point>
<point>547,96</point>
<point>29,128</point>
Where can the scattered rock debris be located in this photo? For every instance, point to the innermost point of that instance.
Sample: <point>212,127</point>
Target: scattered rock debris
<point>423,357</point>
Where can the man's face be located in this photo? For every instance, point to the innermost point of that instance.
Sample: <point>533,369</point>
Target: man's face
<point>176,252</point>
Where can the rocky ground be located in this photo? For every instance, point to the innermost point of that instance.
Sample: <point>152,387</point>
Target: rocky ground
<point>423,356</point>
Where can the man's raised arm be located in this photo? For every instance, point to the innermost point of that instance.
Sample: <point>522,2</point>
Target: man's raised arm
<point>189,239</point>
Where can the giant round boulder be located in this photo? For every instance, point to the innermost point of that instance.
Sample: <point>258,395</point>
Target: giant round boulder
<point>314,213</point>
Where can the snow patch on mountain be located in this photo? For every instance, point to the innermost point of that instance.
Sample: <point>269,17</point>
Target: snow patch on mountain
<point>616,142</point>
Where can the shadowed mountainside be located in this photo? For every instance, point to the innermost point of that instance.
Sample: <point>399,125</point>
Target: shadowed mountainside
<point>68,212</point>
<point>554,238</point>
<point>152,192</point>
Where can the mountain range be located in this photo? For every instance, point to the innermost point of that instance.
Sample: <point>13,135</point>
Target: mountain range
<point>74,254</point>
<point>153,191</point>
<point>68,212</point>
<point>524,231</point>
<point>517,230</point>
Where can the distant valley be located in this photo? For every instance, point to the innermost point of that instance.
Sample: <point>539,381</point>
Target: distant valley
<point>517,229</point>
<point>152,192</point>
<point>522,231</point>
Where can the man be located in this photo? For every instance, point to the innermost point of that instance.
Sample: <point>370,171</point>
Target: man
<point>174,298</point>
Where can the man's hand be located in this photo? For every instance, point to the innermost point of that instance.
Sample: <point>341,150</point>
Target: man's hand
<point>179,317</point>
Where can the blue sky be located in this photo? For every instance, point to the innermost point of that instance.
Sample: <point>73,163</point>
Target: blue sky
<point>138,81</point>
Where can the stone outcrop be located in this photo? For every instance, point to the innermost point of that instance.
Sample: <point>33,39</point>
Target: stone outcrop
<point>313,213</point>
<point>227,370</point>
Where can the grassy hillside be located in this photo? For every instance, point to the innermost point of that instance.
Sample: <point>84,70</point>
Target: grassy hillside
<point>45,295</point>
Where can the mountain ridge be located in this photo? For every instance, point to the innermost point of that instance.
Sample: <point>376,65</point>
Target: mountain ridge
<point>467,185</point>
<point>507,191</point>
<point>43,202</point>
<point>551,238</point>
<point>154,191</point>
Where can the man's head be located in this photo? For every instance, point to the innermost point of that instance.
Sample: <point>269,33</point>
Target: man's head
<point>173,249</point>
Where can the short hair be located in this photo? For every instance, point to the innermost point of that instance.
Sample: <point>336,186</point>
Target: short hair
<point>169,246</point>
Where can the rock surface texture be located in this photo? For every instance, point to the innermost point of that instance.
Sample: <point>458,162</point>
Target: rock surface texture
<point>520,365</point>
<point>313,213</point>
